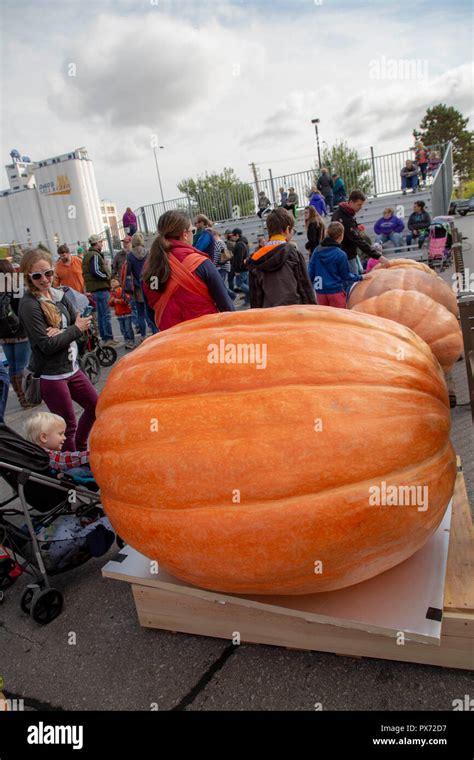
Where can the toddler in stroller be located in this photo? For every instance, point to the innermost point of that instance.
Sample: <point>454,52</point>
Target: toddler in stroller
<point>58,526</point>
<point>49,431</point>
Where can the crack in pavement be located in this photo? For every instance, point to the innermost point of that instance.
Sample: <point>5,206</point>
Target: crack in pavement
<point>205,679</point>
<point>20,635</point>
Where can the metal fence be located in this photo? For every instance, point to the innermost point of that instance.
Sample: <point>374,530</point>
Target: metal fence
<point>376,175</point>
<point>442,188</point>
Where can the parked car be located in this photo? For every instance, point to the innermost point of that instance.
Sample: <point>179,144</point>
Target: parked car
<point>452,208</point>
<point>466,205</point>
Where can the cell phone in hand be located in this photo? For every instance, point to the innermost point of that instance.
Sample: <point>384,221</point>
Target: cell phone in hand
<point>87,311</point>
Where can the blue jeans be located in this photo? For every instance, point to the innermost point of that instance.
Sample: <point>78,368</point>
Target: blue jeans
<point>125,324</point>
<point>103,314</point>
<point>420,238</point>
<point>329,201</point>
<point>223,275</point>
<point>134,314</point>
<point>395,237</point>
<point>4,386</point>
<point>83,472</point>
<point>353,266</point>
<point>144,319</point>
<point>410,182</point>
<point>243,283</point>
<point>17,356</point>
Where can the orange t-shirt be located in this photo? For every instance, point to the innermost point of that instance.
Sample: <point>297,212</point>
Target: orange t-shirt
<point>70,274</point>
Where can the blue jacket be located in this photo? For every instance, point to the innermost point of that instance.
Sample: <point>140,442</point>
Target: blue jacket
<point>318,202</point>
<point>387,226</point>
<point>205,243</point>
<point>330,265</point>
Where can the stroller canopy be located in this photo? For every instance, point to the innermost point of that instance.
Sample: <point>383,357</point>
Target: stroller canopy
<point>16,450</point>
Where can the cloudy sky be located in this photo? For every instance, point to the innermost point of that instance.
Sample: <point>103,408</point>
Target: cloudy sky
<point>222,82</point>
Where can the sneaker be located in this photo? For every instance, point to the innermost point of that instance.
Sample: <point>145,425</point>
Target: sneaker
<point>129,345</point>
<point>111,342</point>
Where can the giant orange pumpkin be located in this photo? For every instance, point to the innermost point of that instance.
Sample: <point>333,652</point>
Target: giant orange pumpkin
<point>404,279</point>
<point>405,264</point>
<point>243,477</point>
<point>431,321</point>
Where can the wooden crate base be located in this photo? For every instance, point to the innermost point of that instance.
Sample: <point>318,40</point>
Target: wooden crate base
<point>238,621</point>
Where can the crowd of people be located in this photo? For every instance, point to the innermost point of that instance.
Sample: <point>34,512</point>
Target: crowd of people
<point>190,270</point>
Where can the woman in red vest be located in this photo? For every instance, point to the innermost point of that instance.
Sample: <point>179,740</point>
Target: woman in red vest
<point>180,283</point>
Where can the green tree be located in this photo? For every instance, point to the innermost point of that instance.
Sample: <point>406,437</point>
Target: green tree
<point>443,123</point>
<point>217,194</point>
<point>344,160</point>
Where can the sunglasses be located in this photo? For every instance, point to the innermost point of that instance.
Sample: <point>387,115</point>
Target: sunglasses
<point>39,275</point>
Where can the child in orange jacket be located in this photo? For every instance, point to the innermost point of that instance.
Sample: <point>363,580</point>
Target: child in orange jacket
<point>123,312</point>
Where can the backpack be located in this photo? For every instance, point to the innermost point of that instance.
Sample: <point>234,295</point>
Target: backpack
<point>9,322</point>
<point>126,279</point>
<point>225,256</point>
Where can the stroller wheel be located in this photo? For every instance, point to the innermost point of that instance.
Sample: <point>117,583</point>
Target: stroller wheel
<point>120,541</point>
<point>27,597</point>
<point>91,367</point>
<point>106,355</point>
<point>6,582</point>
<point>46,606</point>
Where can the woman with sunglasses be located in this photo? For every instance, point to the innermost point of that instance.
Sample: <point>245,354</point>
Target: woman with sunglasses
<point>53,326</point>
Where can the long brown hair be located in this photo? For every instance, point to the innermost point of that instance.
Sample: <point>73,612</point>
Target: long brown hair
<point>28,261</point>
<point>171,226</point>
<point>313,217</point>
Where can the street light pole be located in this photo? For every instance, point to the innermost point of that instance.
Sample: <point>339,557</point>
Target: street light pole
<point>316,122</point>
<point>158,172</point>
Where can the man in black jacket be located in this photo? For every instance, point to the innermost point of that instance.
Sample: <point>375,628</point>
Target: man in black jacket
<point>345,213</point>
<point>239,261</point>
<point>325,186</point>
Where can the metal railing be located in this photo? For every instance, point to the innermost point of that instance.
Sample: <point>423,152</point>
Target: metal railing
<point>376,175</point>
<point>442,188</point>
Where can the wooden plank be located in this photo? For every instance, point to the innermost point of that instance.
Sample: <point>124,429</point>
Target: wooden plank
<point>458,624</point>
<point>158,608</point>
<point>459,589</point>
<point>372,606</point>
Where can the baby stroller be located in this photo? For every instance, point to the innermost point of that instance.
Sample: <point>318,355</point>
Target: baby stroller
<point>92,354</point>
<point>440,253</point>
<point>58,525</point>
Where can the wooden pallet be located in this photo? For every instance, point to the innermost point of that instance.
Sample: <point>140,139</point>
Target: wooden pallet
<point>174,606</point>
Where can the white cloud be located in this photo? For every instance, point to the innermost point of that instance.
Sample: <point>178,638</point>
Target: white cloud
<point>222,83</point>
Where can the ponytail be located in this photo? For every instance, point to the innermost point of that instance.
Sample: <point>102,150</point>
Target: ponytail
<point>157,265</point>
<point>156,270</point>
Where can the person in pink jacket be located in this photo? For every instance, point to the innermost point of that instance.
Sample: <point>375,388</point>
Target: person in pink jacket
<point>129,221</point>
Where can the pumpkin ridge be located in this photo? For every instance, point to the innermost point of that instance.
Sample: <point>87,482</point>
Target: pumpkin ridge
<point>287,499</point>
<point>269,388</point>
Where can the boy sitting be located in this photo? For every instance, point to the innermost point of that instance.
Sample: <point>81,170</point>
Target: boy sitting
<point>49,431</point>
<point>329,269</point>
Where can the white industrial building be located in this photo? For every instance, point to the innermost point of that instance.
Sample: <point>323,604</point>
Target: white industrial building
<point>52,201</point>
<point>109,216</point>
